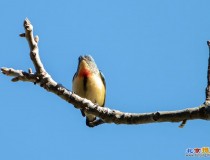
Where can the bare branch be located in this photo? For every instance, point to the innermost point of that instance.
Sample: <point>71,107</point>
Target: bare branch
<point>19,75</point>
<point>33,45</point>
<point>208,78</point>
<point>105,115</point>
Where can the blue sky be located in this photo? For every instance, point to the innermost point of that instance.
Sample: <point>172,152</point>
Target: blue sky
<point>154,58</point>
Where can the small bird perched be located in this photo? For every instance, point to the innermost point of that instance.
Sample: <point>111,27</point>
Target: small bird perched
<point>88,82</point>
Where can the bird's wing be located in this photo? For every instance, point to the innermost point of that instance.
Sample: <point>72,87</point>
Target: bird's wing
<point>104,82</point>
<point>74,76</point>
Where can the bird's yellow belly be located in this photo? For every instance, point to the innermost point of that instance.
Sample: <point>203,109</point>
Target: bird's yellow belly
<point>95,89</point>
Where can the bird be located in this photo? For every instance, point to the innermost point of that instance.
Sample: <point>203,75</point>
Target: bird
<point>89,82</point>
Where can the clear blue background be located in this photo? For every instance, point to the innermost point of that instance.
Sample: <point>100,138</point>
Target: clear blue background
<point>152,53</point>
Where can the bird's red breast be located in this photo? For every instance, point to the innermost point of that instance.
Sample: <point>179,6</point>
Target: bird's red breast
<point>84,72</point>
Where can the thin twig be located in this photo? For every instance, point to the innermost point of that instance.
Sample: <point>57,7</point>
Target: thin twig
<point>208,77</point>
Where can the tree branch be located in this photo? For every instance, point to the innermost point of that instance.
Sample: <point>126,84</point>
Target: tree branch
<point>105,115</point>
<point>208,78</point>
